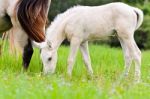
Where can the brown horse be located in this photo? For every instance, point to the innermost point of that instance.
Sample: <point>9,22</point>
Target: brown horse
<point>28,20</point>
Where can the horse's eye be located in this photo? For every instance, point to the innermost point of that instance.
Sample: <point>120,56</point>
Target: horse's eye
<point>49,59</point>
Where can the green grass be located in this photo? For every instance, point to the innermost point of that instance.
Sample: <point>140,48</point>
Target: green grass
<point>107,63</point>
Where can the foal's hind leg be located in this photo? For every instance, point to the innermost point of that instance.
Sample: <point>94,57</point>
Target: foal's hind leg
<point>135,55</point>
<point>127,57</point>
<point>85,53</point>
<point>27,54</point>
<point>137,63</point>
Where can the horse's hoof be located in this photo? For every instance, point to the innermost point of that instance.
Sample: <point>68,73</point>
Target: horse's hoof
<point>24,70</point>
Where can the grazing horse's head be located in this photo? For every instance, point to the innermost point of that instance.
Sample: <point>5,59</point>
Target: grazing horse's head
<point>32,15</point>
<point>48,55</point>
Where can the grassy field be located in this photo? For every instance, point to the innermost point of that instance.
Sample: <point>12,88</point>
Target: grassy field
<point>107,63</point>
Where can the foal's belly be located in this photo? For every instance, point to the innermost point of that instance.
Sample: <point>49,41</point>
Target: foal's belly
<point>5,23</point>
<point>99,32</point>
<point>100,35</point>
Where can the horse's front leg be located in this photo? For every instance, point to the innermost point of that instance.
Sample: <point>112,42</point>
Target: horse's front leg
<point>27,54</point>
<point>25,44</point>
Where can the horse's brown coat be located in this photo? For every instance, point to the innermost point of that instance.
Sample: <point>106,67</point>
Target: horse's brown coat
<point>32,15</point>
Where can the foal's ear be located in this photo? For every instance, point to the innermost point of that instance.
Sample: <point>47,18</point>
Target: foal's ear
<point>49,44</point>
<point>39,45</point>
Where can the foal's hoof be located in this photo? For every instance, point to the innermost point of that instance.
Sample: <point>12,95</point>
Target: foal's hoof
<point>69,76</point>
<point>137,81</point>
<point>90,76</point>
<point>48,73</point>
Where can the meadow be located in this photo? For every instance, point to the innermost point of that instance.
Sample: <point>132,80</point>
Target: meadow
<point>107,63</point>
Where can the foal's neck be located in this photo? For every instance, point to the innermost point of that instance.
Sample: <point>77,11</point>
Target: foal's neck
<point>56,37</point>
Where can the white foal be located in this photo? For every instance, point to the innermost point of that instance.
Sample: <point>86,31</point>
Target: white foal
<point>83,23</point>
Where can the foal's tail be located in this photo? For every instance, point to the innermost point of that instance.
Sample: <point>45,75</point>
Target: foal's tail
<point>140,17</point>
<point>32,15</point>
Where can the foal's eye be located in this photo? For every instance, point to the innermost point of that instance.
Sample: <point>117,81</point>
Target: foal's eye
<point>49,59</point>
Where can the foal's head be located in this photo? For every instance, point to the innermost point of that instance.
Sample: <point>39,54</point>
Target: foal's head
<point>48,55</point>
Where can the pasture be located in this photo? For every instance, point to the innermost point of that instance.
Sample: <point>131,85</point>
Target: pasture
<point>107,63</point>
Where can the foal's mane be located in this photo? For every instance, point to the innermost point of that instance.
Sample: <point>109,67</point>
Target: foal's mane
<point>32,15</point>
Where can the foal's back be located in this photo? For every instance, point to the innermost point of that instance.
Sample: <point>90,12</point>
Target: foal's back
<point>98,21</point>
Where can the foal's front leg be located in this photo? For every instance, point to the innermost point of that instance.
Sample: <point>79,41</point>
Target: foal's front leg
<point>86,57</point>
<point>74,46</point>
<point>27,54</point>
